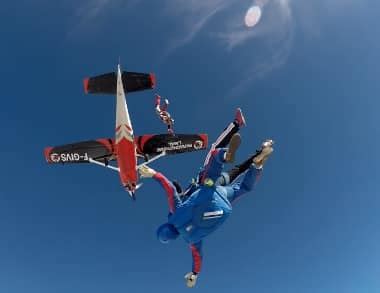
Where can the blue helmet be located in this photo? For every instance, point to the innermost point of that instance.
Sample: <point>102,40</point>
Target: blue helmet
<point>166,232</point>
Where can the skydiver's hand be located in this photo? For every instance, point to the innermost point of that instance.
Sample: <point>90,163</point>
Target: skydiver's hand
<point>191,279</point>
<point>146,172</point>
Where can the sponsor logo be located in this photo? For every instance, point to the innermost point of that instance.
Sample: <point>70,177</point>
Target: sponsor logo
<point>213,215</point>
<point>68,157</point>
<point>175,146</point>
<point>54,157</point>
<point>198,144</point>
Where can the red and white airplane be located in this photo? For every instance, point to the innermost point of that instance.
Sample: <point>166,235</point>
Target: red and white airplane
<point>125,148</point>
<point>124,140</point>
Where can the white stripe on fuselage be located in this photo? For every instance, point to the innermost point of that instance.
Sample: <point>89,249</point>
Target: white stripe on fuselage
<point>123,132</point>
<point>123,121</point>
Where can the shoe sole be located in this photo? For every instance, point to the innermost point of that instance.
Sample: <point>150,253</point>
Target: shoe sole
<point>240,117</point>
<point>263,156</point>
<point>232,147</point>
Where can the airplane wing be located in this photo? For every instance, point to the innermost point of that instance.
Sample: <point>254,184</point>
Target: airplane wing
<point>103,149</point>
<point>106,83</point>
<point>155,144</point>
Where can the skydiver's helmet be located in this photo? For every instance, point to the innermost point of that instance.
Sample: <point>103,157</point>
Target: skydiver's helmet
<point>167,232</point>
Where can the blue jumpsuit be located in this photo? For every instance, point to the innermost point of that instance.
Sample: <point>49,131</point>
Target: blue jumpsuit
<point>208,206</point>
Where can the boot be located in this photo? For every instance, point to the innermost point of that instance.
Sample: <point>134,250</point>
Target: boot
<point>264,153</point>
<point>232,148</point>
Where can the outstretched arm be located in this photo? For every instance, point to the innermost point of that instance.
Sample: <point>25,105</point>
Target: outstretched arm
<point>169,188</point>
<point>196,252</point>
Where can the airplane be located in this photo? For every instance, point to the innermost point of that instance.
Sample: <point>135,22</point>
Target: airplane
<point>125,148</point>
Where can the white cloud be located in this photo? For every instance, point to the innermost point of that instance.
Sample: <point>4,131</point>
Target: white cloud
<point>311,16</point>
<point>271,39</point>
<point>223,20</point>
<point>193,16</point>
<point>89,12</point>
<point>274,32</point>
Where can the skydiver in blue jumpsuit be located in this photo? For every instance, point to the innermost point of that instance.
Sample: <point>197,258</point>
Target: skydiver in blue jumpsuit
<point>206,208</point>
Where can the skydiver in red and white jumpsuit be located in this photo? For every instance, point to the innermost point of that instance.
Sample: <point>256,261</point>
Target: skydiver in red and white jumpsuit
<point>162,112</point>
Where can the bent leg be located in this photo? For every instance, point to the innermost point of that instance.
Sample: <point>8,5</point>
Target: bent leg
<point>214,167</point>
<point>243,183</point>
<point>228,177</point>
<point>223,140</point>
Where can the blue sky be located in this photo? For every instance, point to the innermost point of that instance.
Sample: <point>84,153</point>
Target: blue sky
<point>306,76</point>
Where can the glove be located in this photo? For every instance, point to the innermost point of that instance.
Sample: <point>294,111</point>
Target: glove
<point>146,172</point>
<point>191,279</point>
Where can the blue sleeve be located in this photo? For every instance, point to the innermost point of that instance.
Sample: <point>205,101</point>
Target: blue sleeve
<point>196,252</point>
<point>243,184</point>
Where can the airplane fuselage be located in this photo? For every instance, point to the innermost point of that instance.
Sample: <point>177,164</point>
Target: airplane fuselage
<point>124,139</point>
